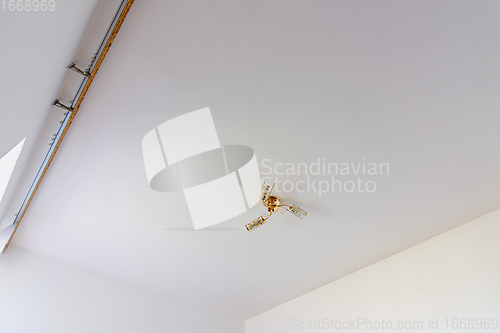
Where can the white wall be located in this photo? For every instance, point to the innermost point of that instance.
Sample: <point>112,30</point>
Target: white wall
<point>454,275</point>
<point>39,294</point>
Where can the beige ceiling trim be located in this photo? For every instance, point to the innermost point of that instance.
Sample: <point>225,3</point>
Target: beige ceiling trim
<point>78,103</point>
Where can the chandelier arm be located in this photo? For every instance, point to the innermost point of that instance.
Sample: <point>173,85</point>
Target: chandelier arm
<point>266,215</point>
<point>285,205</point>
<point>282,208</point>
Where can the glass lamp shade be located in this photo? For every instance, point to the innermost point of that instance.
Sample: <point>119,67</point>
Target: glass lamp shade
<point>265,193</point>
<point>297,211</point>
<point>255,223</point>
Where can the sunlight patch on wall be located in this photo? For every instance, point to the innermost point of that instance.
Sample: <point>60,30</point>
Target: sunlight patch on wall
<point>7,164</point>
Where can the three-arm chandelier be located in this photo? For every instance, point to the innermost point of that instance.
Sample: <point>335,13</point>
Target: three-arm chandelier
<point>273,204</point>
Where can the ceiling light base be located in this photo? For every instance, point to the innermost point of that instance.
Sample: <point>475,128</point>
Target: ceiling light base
<point>272,204</point>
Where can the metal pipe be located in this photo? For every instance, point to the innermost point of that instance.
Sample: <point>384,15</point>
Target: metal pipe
<point>75,105</point>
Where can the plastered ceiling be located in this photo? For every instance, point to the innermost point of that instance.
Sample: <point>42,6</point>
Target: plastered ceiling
<point>411,84</point>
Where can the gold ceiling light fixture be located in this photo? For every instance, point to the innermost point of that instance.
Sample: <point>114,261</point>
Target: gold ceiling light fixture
<point>273,204</point>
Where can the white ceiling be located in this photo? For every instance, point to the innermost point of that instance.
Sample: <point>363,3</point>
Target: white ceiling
<point>413,84</point>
